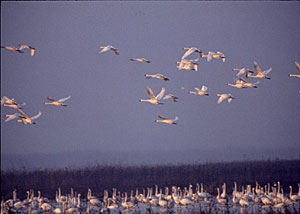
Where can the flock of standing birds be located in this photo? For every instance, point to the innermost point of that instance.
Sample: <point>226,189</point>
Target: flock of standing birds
<point>183,64</point>
<point>258,199</point>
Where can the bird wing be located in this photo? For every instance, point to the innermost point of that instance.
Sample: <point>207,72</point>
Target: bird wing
<point>51,99</point>
<point>204,88</point>
<point>297,66</point>
<point>161,93</point>
<point>197,89</point>
<point>267,71</point>
<point>4,98</point>
<point>176,118</point>
<point>241,71</point>
<point>221,98</point>
<point>229,100</point>
<point>32,50</point>
<point>150,93</point>
<point>209,56</point>
<point>115,50</point>
<point>36,116</point>
<point>168,96</point>
<point>23,114</point>
<point>64,99</point>
<point>188,52</point>
<point>11,117</point>
<point>161,117</point>
<point>257,68</point>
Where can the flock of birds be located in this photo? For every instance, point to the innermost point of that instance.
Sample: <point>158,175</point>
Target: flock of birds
<point>184,64</point>
<point>258,199</point>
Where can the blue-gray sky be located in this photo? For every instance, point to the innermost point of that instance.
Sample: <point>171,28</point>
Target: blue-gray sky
<point>104,115</point>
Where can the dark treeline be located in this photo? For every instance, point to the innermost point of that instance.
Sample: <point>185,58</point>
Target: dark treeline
<point>126,178</point>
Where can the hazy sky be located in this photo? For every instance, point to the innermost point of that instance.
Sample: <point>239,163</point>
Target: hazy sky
<point>104,113</point>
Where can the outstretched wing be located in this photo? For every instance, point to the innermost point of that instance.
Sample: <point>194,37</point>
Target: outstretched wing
<point>257,68</point>
<point>23,114</point>
<point>161,117</point>
<point>36,116</point>
<point>161,94</point>
<point>204,88</point>
<point>267,71</point>
<point>176,118</point>
<point>297,66</point>
<point>12,116</point>
<point>51,99</point>
<point>150,93</point>
<point>64,99</point>
<point>221,98</point>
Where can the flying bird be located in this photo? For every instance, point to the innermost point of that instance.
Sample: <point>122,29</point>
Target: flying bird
<point>259,73</point>
<point>7,100</point>
<point>140,60</point>
<point>57,102</point>
<point>166,120</point>
<point>298,68</point>
<point>154,99</point>
<point>171,96</point>
<point>248,84</point>
<point>200,92</point>
<point>107,48</point>
<point>15,49</point>
<point>188,64</point>
<point>156,76</point>
<point>190,51</point>
<point>222,97</point>
<point>25,119</point>
<point>238,84</point>
<point>22,47</point>
<point>212,55</point>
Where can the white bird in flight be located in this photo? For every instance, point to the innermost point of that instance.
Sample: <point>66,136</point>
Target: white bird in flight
<point>140,60</point>
<point>107,48</point>
<point>222,97</point>
<point>259,73</point>
<point>154,99</point>
<point>156,76</point>
<point>212,55</point>
<point>298,68</point>
<point>57,102</point>
<point>190,51</point>
<point>188,64</point>
<point>166,120</point>
<point>200,92</point>
<point>25,119</point>
<point>171,96</point>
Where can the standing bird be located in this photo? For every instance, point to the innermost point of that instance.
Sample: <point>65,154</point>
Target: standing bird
<point>260,74</point>
<point>157,76</point>
<point>222,97</point>
<point>166,120</point>
<point>140,60</point>
<point>57,102</point>
<point>154,99</point>
<point>107,48</point>
<point>298,68</point>
<point>200,92</point>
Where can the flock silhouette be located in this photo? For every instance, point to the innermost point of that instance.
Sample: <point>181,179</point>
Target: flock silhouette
<point>185,63</point>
